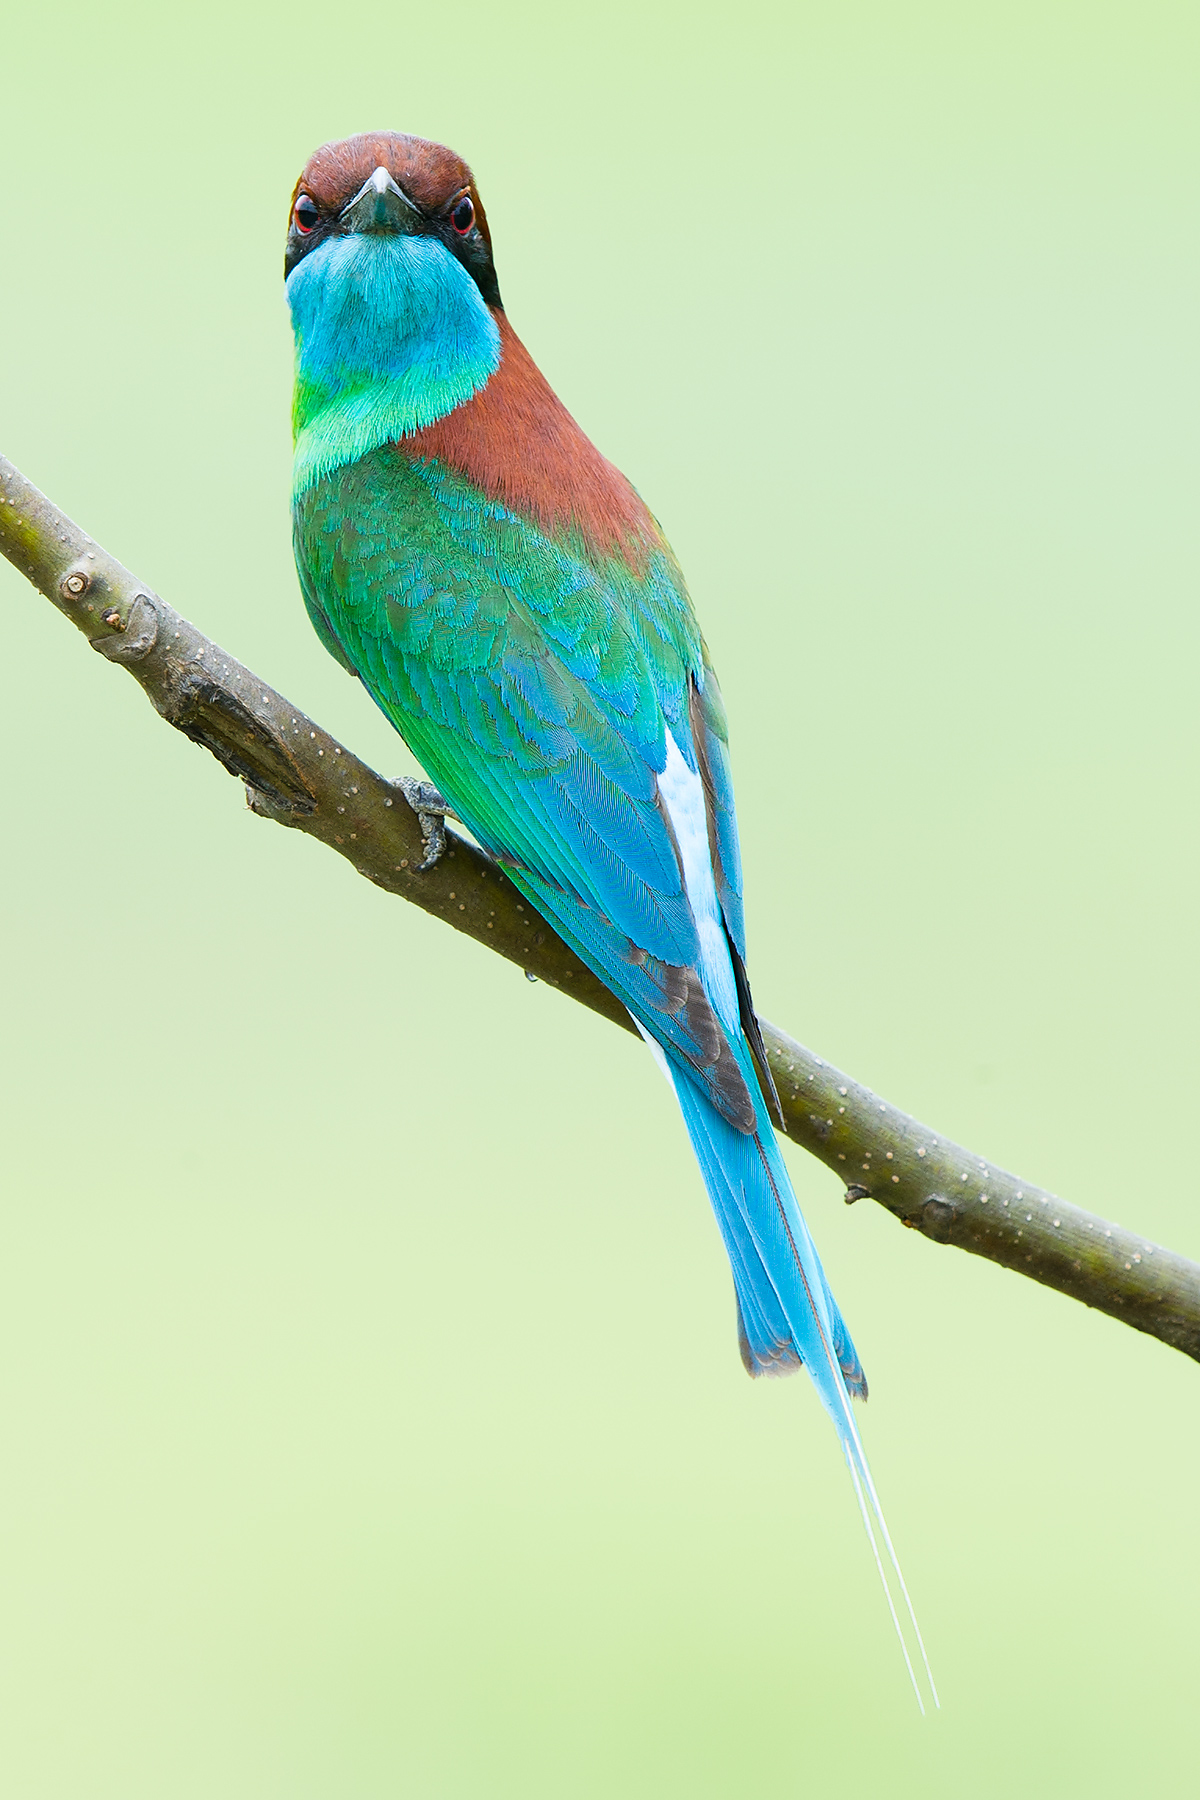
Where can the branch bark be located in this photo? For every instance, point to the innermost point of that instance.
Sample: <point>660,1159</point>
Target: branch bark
<point>296,774</point>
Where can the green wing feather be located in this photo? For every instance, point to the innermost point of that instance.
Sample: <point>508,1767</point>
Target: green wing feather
<point>536,685</point>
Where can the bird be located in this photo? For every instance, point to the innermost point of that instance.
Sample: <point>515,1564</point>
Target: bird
<point>508,601</point>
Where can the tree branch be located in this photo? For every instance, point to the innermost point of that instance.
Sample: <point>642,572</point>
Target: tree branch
<point>296,774</point>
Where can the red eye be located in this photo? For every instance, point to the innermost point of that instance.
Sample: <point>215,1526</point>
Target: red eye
<point>305,215</point>
<point>463,216</point>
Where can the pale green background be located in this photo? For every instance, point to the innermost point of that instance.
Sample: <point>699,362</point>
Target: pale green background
<point>372,1423</point>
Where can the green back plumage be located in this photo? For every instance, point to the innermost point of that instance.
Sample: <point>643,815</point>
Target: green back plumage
<point>536,685</point>
<point>483,640</point>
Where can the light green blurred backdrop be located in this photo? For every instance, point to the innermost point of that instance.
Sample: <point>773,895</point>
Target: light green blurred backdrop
<point>372,1420</point>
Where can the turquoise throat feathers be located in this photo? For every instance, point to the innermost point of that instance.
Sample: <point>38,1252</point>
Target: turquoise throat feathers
<point>391,334</point>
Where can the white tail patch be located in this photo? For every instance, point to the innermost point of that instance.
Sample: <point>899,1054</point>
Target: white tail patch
<point>682,793</point>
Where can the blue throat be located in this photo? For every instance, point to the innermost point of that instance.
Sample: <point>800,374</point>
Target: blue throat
<point>391,334</point>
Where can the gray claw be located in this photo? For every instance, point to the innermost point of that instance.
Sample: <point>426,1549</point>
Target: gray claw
<point>432,811</point>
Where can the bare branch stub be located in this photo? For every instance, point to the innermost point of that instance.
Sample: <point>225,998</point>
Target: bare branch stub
<point>299,776</point>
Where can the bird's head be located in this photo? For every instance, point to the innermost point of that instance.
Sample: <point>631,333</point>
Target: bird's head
<point>393,295</point>
<point>383,183</point>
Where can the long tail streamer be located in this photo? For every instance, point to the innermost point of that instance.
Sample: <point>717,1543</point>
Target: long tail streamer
<point>788,1313</point>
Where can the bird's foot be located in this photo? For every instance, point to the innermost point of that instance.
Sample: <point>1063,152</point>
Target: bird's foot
<point>432,811</point>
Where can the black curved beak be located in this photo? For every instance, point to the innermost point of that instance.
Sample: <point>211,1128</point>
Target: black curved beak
<point>380,205</point>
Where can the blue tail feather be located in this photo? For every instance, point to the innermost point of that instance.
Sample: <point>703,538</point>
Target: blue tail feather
<point>787,1315</point>
<point>787,1309</point>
